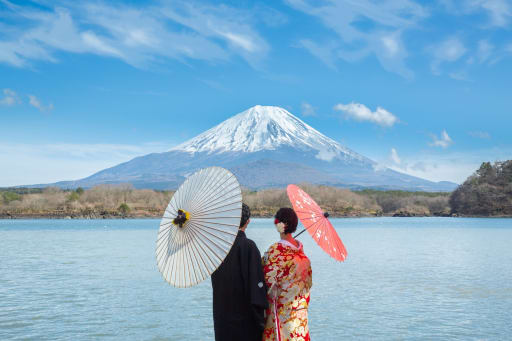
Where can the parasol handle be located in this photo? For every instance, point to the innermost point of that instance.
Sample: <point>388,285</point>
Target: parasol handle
<point>326,215</point>
<point>298,234</point>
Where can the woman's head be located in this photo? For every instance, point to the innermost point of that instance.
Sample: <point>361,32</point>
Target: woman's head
<point>288,217</point>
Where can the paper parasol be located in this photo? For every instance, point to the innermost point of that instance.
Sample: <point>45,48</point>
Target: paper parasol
<point>316,223</point>
<point>199,226</point>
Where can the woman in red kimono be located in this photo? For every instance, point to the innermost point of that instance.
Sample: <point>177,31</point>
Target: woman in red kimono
<point>287,273</point>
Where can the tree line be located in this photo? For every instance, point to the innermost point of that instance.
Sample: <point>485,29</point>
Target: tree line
<point>488,192</point>
<point>124,201</point>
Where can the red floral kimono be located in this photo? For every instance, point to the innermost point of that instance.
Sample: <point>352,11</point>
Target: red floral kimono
<point>287,273</point>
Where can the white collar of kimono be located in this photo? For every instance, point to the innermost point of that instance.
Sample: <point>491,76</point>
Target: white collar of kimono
<point>287,243</point>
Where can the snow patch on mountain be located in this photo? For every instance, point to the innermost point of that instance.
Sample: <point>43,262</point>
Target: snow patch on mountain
<point>266,128</point>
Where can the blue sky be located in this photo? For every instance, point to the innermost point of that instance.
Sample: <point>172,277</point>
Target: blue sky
<point>423,87</point>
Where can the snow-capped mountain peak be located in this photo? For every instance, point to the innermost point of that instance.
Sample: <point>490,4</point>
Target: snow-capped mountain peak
<point>265,128</point>
<point>264,147</point>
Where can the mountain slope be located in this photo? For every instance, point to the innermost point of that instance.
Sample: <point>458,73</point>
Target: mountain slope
<point>264,146</point>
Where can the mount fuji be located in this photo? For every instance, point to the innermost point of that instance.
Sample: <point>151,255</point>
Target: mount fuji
<point>264,146</point>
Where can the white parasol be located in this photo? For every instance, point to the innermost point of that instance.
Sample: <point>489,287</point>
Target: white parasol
<point>199,226</point>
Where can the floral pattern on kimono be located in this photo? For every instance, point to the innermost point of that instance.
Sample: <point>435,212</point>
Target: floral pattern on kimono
<point>288,276</point>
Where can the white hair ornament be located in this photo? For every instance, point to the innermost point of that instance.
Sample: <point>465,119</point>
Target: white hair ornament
<point>280,227</point>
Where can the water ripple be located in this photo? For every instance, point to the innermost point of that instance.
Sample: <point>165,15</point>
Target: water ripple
<point>410,279</point>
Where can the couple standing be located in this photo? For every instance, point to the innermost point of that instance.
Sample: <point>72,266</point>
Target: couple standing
<point>269,302</point>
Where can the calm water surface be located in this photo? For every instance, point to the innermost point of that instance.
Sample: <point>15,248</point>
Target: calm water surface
<point>404,279</point>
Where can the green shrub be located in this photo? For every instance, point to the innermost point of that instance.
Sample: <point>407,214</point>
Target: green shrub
<point>124,209</point>
<point>7,197</point>
<point>73,196</point>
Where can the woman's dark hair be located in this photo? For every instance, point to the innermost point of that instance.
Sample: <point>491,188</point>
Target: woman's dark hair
<point>287,216</point>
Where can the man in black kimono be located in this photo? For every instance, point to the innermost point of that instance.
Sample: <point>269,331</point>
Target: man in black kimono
<point>239,292</point>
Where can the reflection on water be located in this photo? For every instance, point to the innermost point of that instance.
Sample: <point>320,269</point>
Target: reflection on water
<point>404,278</point>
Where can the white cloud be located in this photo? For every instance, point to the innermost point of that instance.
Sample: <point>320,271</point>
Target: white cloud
<point>394,157</point>
<point>360,112</point>
<point>437,169</point>
<point>449,50</point>
<point>64,161</point>
<point>389,18</point>
<point>391,44</point>
<point>307,109</point>
<point>447,166</point>
<point>240,40</point>
<point>443,141</point>
<point>140,36</point>
<point>36,103</point>
<point>326,155</point>
<point>379,167</point>
<point>10,98</point>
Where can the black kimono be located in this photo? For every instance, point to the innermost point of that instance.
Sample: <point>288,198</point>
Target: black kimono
<point>239,293</point>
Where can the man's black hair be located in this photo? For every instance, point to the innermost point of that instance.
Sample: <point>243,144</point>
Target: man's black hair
<point>246,214</point>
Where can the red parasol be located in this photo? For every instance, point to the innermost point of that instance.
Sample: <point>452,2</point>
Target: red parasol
<point>316,223</point>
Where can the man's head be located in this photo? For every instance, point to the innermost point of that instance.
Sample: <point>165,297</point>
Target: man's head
<point>246,215</point>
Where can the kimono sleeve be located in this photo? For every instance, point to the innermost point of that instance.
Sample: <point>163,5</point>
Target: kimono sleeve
<point>270,269</point>
<point>254,283</point>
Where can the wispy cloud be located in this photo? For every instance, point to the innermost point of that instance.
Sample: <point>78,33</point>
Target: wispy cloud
<point>140,36</point>
<point>215,85</point>
<point>360,112</point>
<point>480,134</point>
<point>10,98</point>
<point>449,50</point>
<point>36,103</point>
<point>443,141</point>
<point>64,161</point>
<point>499,11</point>
<point>307,109</point>
<point>485,50</point>
<point>394,156</point>
<point>325,51</point>
<point>364,28</point>
<point>446,166</point>
<point>460,76</point>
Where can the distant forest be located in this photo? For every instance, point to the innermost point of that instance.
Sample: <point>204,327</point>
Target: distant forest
<point>107,201</point>
<point>488,192</point>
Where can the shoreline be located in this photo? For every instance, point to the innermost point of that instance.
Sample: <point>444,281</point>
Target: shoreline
<point>7,216</point>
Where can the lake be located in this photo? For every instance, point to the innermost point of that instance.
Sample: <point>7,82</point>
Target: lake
<point>404,279</point>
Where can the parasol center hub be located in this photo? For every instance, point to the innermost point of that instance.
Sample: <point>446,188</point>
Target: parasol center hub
<point>181,218</point>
